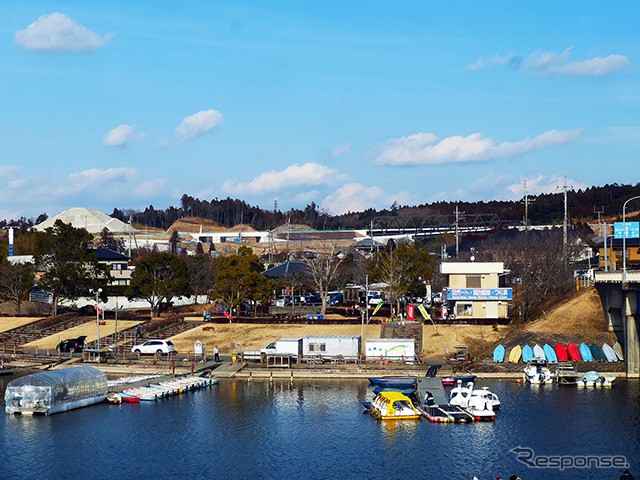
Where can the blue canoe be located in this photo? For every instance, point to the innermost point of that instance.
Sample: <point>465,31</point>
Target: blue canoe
<point>550,353</point>
<point>585,353</point>
<point>498,354</point>
<point>527,353</point>
<point>393,382</point>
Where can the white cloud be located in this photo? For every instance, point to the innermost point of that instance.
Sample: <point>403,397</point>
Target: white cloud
<point>354,197</point>
<point>58,33</point>
<point>488,62</point>
<point>7,170</point>
<point>543,184</point>
<point>339,150</point>
<point>122,135</point>
<point>425,149</point>
<point>94,179</point>
<point>198,123</point>
<point>550,63</point>
<point>310,173</point>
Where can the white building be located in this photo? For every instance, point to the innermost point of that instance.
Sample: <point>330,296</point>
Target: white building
<point>474,289</point>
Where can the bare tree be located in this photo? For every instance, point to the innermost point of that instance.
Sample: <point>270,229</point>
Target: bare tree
<point>540,266</point>
<point>15,282</point>
<point>324,269</point>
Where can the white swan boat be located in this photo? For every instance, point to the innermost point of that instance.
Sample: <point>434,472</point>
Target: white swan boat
<point>476,402</point>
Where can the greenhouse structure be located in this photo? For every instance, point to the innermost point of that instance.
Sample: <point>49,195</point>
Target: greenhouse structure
<point>55,391</point>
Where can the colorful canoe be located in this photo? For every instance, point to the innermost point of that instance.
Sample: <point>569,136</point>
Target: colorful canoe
<point>597,353</point>
<point>527,353</point>
<point>498,354</point>
<point>516,353</point>
<point>561,353</point>
<point>618,348</point>
<point>550,353</point>
<point>609,353</point>
<point>574,353</point>
<point>538,352</point>
<point>585,353</point>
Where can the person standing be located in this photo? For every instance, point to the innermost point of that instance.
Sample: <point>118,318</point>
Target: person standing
<point>216,354</point>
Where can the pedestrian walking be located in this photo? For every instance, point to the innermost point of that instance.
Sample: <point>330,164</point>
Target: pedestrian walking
<point>216,354</point>
<point>138,332</point>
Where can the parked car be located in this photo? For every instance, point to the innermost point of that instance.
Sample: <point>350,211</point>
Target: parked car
<point>336,299</point>
<point>71,344</point>
<point>158,347</point>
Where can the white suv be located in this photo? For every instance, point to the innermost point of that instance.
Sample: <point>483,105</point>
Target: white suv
<point>154,347</point>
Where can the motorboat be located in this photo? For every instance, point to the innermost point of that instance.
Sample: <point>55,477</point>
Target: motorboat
<point>392,406</point>
<point>114,399</point>
<point>537,372</point>
<point>594,379</point>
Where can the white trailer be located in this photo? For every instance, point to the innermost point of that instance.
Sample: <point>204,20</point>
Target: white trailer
<point>391,349</point>
<point>284,346</point>
<point>328,347</point>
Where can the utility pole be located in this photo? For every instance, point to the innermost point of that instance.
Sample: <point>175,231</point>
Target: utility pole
<point>457,242</point>
<point>565,189</point>
<point>526,200</point>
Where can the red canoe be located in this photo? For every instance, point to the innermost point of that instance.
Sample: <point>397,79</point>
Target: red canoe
<point>561,353</point>
<point>574,352</point>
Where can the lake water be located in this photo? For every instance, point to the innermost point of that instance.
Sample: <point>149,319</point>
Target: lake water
<point>316,430</point>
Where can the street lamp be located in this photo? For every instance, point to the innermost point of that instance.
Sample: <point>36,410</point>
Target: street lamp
<point>624,239</point>
<point>97,292</point>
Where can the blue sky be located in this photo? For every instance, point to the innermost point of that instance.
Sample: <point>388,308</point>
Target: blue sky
<point>348,104</point>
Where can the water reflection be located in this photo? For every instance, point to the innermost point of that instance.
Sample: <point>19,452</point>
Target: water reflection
<point>263,430</point>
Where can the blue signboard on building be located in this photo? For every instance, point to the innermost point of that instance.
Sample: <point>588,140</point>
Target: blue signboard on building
<point>626,230</point>
<point>478,294</point>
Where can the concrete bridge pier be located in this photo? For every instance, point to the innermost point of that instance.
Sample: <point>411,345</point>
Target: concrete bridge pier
<point>620,303</point>
<point>632,344</point>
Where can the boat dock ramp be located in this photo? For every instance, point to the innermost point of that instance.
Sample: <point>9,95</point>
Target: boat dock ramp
<point>435,405</point>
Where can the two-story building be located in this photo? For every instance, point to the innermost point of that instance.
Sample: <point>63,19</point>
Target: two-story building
<point>474,290</point>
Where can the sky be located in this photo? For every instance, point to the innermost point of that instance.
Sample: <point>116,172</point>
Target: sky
<point>350,105</point>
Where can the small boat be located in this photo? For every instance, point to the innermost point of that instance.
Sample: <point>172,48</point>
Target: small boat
<point>392,382</point>
<point>516,353</point>
<point>596,351</point>
<point>404,391</point>
<point>609,353</point>
<point>114,399</point>
<point>392,406</point>
<point>585,353</point>
<point>479,406</point>
<point>537,372</point>
<point>538,352</point>
<point>550,353</point>
<point>129,398</point>
<point>574,353</point>
<point>448,381</point>
<point>618,349</point>
<point>561,353</point>
<point>594,379</point>
<point>527,353</point>
<point>488,396</point>
<point>498,354</point>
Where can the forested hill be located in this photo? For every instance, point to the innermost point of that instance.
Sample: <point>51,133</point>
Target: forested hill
<point>543,209</point>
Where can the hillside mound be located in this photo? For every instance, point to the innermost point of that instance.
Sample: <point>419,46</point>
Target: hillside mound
<point>194,224</point>
<point>577,317</point>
